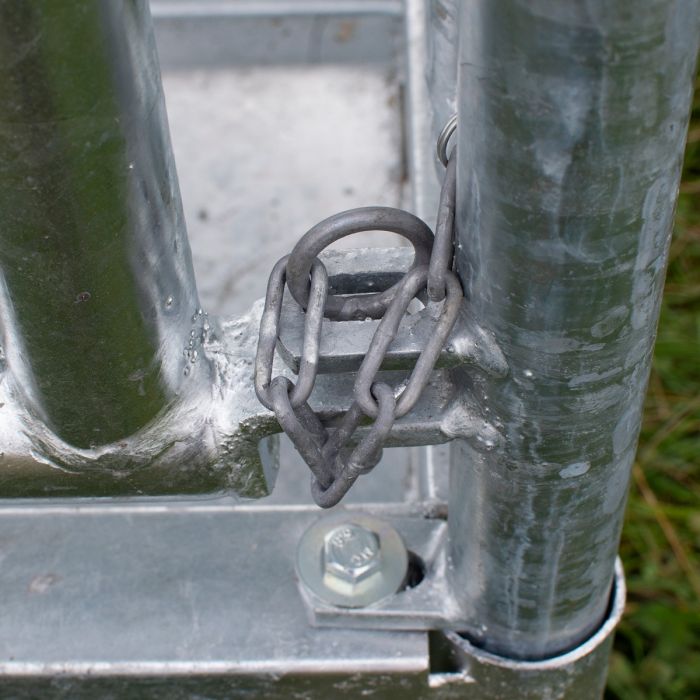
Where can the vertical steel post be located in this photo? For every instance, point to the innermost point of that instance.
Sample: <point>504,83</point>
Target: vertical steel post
<point>442,34</point>
<point>431,57</point>
<point>97,289</point>
<point>572,123</point>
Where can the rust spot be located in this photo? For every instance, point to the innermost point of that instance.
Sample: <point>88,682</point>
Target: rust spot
<point>346,31</point>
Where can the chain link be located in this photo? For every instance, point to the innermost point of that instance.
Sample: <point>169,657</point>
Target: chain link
<point>334,460</point>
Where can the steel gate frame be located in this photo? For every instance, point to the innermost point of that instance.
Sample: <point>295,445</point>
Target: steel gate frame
<point>568,173</point>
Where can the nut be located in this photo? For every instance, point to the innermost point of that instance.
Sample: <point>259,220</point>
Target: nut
<point>351,555</point>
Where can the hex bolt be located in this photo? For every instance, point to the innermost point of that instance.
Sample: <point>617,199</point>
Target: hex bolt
<point>351,560</point>
<point>351,555</point>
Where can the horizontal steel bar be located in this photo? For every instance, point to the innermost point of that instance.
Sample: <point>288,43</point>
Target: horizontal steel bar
<point>171,596</point>
<point>234,454</point>
<point>211,611</point>
<point>181,9</point>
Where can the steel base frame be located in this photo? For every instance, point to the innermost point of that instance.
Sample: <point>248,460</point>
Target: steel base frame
<point>202,600</point>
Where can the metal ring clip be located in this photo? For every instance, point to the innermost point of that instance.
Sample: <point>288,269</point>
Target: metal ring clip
<point>444,139</point>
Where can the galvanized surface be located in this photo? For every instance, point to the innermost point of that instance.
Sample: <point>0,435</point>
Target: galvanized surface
<point>254,34</point>
<point>432,605</point>
<point>577,675</point>
<point>176,571</point>
<point>142,601</point>
<point>119,601</point>
<point>427,606</point>
<point>200,35</point>
<point>343,345</point>
<point>195,431</point>
<point>424,180</point>
<point>98,292</point>
<point>279,118</point>
<point>106,387</point>
<point>338,125</point>
<point>440,70</point>
<point>572,122</point>
<point>177,597</point>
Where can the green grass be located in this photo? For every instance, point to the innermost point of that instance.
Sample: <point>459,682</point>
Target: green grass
<point>657,648</point>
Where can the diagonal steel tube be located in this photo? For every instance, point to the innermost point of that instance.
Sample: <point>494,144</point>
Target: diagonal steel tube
<point>572,123</point>
<point>97,281</point>
<point>112,379</point>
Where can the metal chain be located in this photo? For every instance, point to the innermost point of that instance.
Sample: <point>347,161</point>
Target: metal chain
<point>334,460</point>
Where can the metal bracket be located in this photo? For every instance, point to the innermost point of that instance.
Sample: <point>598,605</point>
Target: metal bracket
<point>441,415</point>
<point>429,605</point>
<point>344,343</point>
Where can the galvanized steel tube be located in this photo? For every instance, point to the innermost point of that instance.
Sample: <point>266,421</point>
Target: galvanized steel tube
<point>98,292</point>
<point>441,70</point>
<point>572,123</point>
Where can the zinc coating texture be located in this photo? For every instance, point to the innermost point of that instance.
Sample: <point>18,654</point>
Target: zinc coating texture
<point>67,683</point>
<point>572,124</point>
<point>442,35</point>
<point>98,291</point>
<point>184,603</point>
<point>109,382</point>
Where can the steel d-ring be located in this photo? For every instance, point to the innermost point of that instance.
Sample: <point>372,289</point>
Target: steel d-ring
<point>355,306</point>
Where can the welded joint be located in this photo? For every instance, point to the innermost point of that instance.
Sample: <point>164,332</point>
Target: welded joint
<point>426,603</point>
<point>220,430</point>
